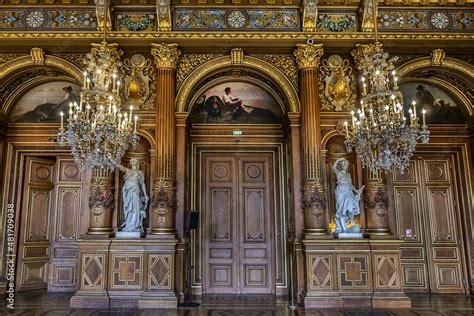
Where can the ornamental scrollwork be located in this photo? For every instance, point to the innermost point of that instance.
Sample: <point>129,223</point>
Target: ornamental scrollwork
<point>166,55</point>
<point>310,15</point>
<point>285,64</point>
<point>163,14</point>
<point>313,196</point>
<point>101,12</point>
<point>308,55</point>
<point>102,193</point>
<point>138,78</point>
<point>164,196</point>
<point>337,86</point>
<point>187,63</point>
<point>366,16</point>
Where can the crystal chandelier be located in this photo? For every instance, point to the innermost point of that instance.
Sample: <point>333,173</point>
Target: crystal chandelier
<point>380,133</point>
<point>97,131</point>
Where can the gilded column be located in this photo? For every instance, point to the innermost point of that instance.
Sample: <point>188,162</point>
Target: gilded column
<point>376,204</point>
<point>162,217</point>
<point>101,202</point>
<point>314,197</point>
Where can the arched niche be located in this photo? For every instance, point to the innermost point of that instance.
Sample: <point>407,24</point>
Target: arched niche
<point>143,153</point>
<point>335,148</point>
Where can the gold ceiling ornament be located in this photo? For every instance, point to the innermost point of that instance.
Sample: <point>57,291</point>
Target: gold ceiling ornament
<point>437,57</point>
<point>337,88</point>
<point>366,15</point>
<point>138,74</point>
<point>97,131</point>
<point>380,133</point>
<point>308,55</point>
<point>102,11</point>
<point>165,55</point>
<point>310,15</point>
<point>37,56</point>
<point>236,56</point>
<point>163,14</point>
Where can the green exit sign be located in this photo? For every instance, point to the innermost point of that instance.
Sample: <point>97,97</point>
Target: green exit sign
<point>237,133</point>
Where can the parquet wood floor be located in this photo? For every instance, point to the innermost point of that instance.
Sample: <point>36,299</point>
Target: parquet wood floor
<point>39,303</point>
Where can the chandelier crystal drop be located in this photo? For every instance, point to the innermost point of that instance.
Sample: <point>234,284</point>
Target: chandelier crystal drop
<point>97,129</point>
<point>383,138</point>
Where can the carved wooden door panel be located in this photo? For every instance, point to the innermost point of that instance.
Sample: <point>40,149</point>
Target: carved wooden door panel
<point>443,240</point>
<point>220,225</point>
<point>66,222</point>
<point>255,202</point>
<point>237,230</point>
<point>425,203</point>
<point>35,216</point>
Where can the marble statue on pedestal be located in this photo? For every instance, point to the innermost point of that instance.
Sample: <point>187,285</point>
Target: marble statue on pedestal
<point>135,198</point>
<point>347,198</point>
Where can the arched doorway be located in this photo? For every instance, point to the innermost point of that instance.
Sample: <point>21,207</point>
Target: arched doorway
<point>236,159</point>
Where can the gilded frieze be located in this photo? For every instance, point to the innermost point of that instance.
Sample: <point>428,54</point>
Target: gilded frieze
<point>453,20</point>
<point>42,19</point>
<point>231,19</point>
<point>337,22</point>
<point>134,22</point>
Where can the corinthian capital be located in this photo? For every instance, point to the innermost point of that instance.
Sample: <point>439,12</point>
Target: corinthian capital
<point>166,55</point>
<point>308,55</point>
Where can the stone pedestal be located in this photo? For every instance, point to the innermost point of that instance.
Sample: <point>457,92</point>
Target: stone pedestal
<point>126,273</point>
<point>354,273</point>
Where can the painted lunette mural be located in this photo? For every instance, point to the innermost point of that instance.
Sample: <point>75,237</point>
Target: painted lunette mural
<point>43,103</point>
<point>440,107</point>
<point>236,103</point>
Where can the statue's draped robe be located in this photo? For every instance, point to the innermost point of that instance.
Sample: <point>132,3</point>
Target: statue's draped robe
<point>347,202</point>
<point>132,202</point>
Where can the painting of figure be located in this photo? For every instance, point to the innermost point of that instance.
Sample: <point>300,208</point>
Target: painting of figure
<point>236,103</point>
<point>440,107</point>
<point>43,103</point>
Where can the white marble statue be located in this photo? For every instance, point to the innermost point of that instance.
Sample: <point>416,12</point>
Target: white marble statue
<point>347,198</point>
<point>135,199</point>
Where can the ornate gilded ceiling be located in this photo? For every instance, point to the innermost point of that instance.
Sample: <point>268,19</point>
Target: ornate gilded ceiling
<point>290,20</point>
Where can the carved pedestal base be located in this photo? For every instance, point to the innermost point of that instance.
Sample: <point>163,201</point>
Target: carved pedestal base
<point>93,260</point>
<point>354,273</point>
<point>126,273</point>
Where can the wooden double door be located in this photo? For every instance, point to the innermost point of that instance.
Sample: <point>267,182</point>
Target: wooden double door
<point>48,226</point>
<point>237,206</point>
<point>429,219</point>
